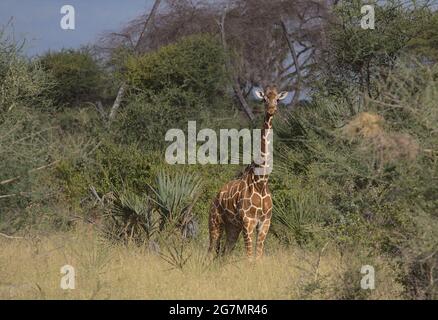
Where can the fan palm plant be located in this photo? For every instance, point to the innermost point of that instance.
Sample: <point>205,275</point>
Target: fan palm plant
<point>295,217</point>
<point>133,216</point>
<point>175,196</point>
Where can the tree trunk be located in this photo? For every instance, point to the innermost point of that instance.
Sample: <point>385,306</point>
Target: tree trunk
<point>118,101</point>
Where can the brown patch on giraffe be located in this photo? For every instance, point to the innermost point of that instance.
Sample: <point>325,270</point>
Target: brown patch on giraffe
<point>256,200</point>
<point>251,212</point>
<point>246,203</point>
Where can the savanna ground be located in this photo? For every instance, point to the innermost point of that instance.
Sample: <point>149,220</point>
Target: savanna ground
<point>104,271</point>
<point>355,163</point>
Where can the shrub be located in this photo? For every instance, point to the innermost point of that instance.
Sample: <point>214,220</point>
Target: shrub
<point>145,120</point>
<point>27,139</point>
<point>111,168</point>
<point>78,76</point>
<point>178,82</point>
<point>158,212</point>
<point>194,64</point>
<point>356,57</point>
<point>23,83</point>
<point>296,216</point>
<point>425,43</point>
<point>375,172</point>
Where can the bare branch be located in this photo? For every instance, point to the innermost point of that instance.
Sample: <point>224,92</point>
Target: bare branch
<point>122,89</point>
<point>10,237</point>
<point>296,63</point>
<point>30,171</point>
<point>235,81</point>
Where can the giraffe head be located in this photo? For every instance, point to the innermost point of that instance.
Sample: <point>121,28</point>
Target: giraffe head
<point>271,97</point>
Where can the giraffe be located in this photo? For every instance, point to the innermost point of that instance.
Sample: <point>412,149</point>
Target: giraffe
<point>245,204</point>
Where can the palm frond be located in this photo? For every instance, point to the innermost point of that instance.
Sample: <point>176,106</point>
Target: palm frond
<point>175,196</point>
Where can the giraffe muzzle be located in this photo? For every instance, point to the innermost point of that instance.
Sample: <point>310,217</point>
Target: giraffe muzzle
<point>272,110</point>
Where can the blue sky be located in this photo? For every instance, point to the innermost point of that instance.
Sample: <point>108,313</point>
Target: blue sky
<point>39,20</point>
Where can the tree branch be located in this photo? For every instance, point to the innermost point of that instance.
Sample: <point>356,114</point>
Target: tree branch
<point>9,237</point>
<point>122,89</point>
<point>296,63</point>
<point>30,171</point>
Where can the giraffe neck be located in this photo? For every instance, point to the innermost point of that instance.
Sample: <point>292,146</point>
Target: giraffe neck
<point>267,125</point>
<point>262,179</point>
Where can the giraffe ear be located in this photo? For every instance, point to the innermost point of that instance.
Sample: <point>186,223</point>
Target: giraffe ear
<point>283,95</point>
<point>259,94</point>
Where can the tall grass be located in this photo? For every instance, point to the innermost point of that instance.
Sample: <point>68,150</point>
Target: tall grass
<point>30,269</point>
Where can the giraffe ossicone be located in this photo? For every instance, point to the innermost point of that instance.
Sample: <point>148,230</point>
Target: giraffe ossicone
<point>244,205</point>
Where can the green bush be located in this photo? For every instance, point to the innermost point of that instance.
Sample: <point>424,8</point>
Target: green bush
<point>385,204</point>
<point>27,138</point>
<point>23,83</point>
<point>194,64</point>
<point>111,168</point>
<point>298,215</point>
<point>78,76</point>
<point>425,43</point>
<point>177,83</point>
<point>356,57</point>
<point>145,120</point>
<point>131,218</point>
<point>175,197</point>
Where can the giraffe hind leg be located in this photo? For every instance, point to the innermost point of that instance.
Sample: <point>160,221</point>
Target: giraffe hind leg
<point>232,233</point>
<point>216,228</point>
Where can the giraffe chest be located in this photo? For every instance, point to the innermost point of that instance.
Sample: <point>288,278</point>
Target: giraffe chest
<point>255,203</point>
<point>240,200</point>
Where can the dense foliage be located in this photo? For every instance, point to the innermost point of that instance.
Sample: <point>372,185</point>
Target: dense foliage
<point>355,167</point>
<point>194,64</point>
<point>79,78</point>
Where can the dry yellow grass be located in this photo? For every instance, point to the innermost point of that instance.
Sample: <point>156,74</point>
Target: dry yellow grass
<point>30,269</point>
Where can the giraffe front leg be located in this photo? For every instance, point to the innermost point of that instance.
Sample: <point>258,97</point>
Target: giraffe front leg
<point>262,232</point>
<point>248,229</point>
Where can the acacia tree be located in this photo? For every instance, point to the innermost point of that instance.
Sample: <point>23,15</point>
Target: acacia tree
<point>268,35</point>
<point>267,41</point>
<point>352,59</point>
<point>135,47</point>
